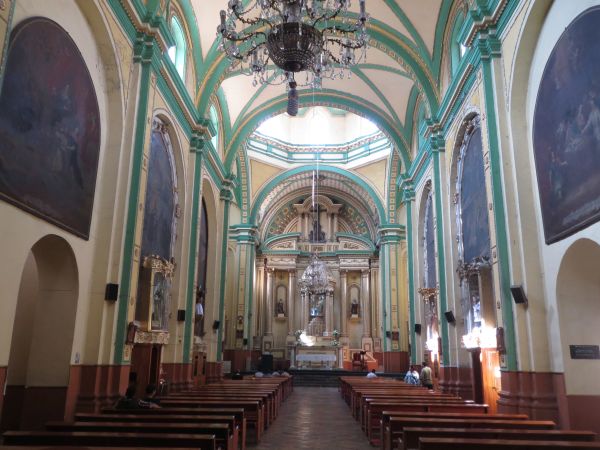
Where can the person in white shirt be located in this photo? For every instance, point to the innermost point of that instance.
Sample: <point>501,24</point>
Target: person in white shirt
<point>372,374</point>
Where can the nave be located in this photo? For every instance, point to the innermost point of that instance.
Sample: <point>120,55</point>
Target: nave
<point>317,419</point>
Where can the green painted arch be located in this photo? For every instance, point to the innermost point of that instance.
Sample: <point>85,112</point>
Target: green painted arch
<point>325,97</point>
<point>415,60</point>
<point>191,24</point>
<point>322,168</point>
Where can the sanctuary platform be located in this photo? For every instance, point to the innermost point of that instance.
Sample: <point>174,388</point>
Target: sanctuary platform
<point>329,378</point>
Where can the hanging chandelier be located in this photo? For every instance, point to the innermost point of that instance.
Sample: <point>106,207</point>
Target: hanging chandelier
<point>315,278</point>
<point>273,40</point>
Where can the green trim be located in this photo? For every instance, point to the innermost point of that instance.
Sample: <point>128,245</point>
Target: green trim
<point>132,204</point>
<point>260,196</point>
<point>411,282</point>
<point>226,197</point>
<point>384,293</point>
<point>395,131</point>
<point>491,48</point>
<point>193,248</point>
<point>249,291</point>
<point>441,254</point>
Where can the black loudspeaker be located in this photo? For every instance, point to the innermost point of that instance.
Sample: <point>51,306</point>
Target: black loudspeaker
<point>112,292</point>
<point>450,317</point>
<point>418,328</point>
<point>216,325</point>
<point>181,315</point>
<point>245,341</point>
<point>518,294</point>
<point>388,334</point>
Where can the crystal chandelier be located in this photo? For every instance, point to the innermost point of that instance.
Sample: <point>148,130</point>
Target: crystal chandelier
<point>315,278</point>
<point>272,40</point>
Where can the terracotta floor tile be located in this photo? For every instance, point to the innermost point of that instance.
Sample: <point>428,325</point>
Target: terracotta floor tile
<point>314,419</point>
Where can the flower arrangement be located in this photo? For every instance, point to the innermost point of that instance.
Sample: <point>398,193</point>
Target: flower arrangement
<point>297,334</point>
<point>336,335</point>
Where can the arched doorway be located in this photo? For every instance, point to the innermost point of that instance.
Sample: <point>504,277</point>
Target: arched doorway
<point>42,338</point>
<point>578,303</point>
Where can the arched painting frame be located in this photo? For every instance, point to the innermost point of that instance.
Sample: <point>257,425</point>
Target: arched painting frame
<point>566,130</point>
<point>49,127</point>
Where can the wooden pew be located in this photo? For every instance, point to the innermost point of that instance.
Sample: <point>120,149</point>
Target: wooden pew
<point>375,409</point>
<point>238,413</point>
<point>411,435</point>
<point>485,444</point>
<point>223,434</point>
<point>74,447</point>
<point>106,439</point>
<point>230,420</point>
<point>253,410</point>
<point>390,436</point>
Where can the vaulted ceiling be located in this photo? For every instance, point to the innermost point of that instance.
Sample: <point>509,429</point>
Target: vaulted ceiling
<point>404,61</point>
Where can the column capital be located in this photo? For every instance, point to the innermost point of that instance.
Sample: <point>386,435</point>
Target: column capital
<point>391,234</point>
<point>198,144</point>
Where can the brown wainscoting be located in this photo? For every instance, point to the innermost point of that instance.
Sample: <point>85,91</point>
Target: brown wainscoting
<point>396,362</point>
<point>238,358</point>
<point>214,371</point>
<point>29,408</point>
<point>2,382</point>
<point>457,381</point>
<point>584,412</point>
<point>96,386</point>
<point>536,394</point>
<point>178,375</point>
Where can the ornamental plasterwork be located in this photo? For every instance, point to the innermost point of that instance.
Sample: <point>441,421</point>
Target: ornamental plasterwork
<point>318,149</point>
<point>354,263</point>
<point>151,337</point>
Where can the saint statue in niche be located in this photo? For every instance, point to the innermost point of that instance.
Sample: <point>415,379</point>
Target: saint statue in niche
<point>354,308</point>
<point>280,308</point>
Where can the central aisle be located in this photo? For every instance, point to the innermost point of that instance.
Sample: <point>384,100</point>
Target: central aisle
<point>314,419</point>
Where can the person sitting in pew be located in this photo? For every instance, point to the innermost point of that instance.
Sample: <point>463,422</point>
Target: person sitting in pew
<point>412,376</point>
<point>128,401</point>
<point>372,374</point>
<point>237,376</point>
<point>426,379</point>
<point>151,394</point>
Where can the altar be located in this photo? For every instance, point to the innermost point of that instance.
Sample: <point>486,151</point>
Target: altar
<point>317,357</point>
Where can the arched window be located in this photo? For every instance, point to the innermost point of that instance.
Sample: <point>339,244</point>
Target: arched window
<point>214,118</point>
<point>457,49</point>
<point>178,51</point>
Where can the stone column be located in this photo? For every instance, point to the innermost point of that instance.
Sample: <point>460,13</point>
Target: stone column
<point>329,312</point>
<point>291,300</point>
<point>302,228</point>
<point>330,226</point>
<point>269,303</point>
<point>365,303</point>
<point>335,225</point>
<point>305,300</point>
<point>343,302</point>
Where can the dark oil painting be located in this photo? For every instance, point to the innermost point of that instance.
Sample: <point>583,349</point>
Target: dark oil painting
<point>49,127</point>
<point>473,197</point>
<point>566,131</point>
<point>159,212</point>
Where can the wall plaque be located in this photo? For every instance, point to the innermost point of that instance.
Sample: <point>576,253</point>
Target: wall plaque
<point>584,351</point>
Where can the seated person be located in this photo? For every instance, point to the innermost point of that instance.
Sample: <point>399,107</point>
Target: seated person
<point>151,394</point>
<point>372,374</point>
<point>237,375</point>
<point>412,376</point>
<point>129,401</point>
<point>259,374</point>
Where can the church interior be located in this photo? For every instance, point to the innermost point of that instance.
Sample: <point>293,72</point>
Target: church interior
<point>321,187</point>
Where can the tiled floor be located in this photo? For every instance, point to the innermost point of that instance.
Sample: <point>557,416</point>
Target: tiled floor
<point>315,419</point>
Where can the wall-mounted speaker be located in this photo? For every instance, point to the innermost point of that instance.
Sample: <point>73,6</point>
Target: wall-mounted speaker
<point>216,325</point>
<point>112,292</point>
<point>450,317</point>
<point>388,334</point>
<point>245,341</point>
<point>518,294</point>
<point>418,328</point>
<point>181,315</point>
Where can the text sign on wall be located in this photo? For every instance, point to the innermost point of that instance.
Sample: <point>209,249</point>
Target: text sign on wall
<point>584,351</point>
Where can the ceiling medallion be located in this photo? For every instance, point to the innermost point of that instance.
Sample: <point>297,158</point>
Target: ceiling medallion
<point>272,40</point>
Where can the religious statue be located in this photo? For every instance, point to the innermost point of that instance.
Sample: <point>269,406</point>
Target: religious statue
<point>280,308</point>
<point>354,307</point>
